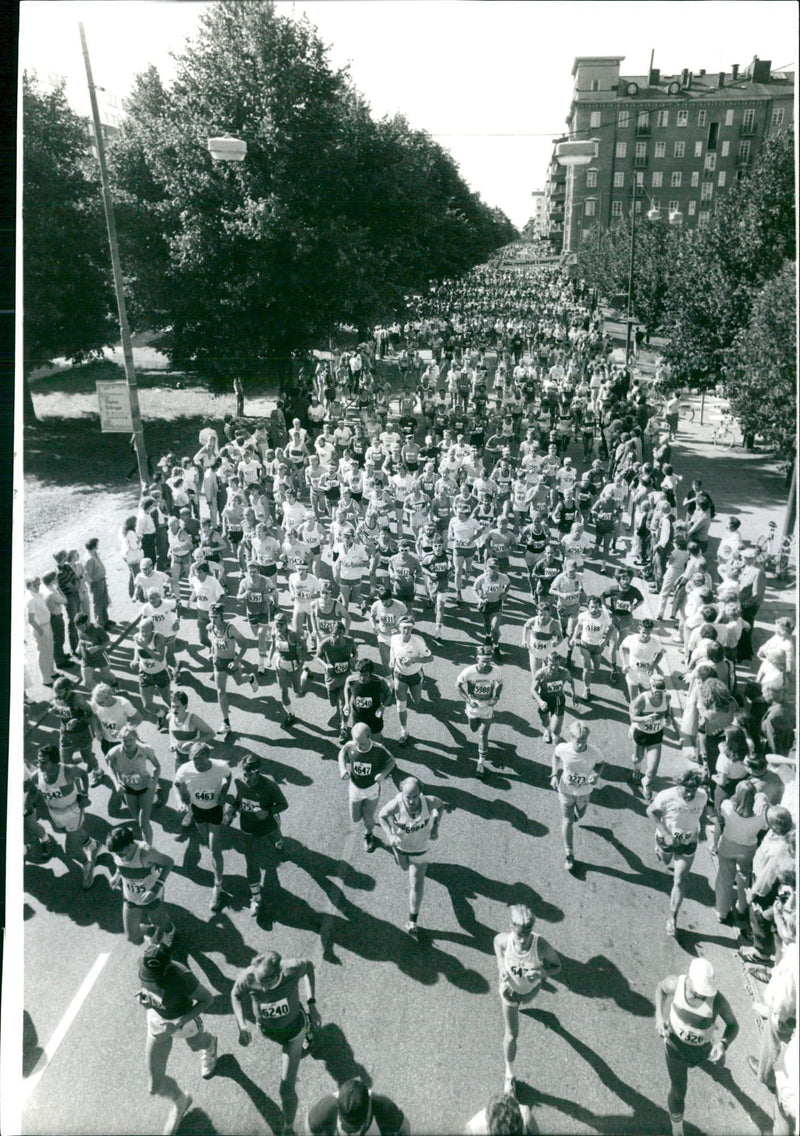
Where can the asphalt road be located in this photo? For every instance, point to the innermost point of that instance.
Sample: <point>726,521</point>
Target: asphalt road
<point>421,1021</point>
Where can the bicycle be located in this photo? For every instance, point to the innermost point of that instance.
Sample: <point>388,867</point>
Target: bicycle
<point>723,436</point>
<point>686,409</point>
<point>773,557</point>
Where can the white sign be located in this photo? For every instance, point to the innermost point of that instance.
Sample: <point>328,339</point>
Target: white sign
<point>115,408</point>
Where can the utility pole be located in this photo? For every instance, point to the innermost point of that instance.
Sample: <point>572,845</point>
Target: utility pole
<point>630,271</point>
<point>124,329</point>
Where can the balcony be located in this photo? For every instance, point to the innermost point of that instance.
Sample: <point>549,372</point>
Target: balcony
<point>642,130</point>
<point>640,161</point>
<point>747,131</point>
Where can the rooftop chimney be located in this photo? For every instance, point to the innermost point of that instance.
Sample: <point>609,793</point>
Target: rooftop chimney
<point>721,80</point>
<point>684,76</point>
<point>702,70</point>
<point>655,76</point>
<point>734,71</point>
<point>761,70</point>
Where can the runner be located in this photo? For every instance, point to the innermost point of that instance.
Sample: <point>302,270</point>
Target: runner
<point>541,635</point>
<point>384,617</point>
<point>577,765</point>
<point>356,1110</point>
<point>337,654</point>
<point>407,652</point>
<point>140,874</point>
<point>593,629</point>
<point>411,821</point>
<point>687,1009</point>
<point>64,792</point>
<point>150,660</point>
<point>640,653</point>
<point>288,656</point>
<point>205,592</point>
<point>257,592</point>
<point>162,612</point>
<point>75,719</point>
<point>202,783</point>
<point>366,763</point>
<point>678,813</point>
<point>174,999</point>
<point>351,564</point>
<point>524,959</point>
<point>480,686</point>
<point>127,763</point>
<point>259,803</point>
<point>365,695</point>
<point>268,992</point>
<point>111,712</point>
<point>185,727</point>
<point>227,654</point>
<point>463,534</point>
<point>547,689</point>
<point>303,590</point>
<point>651,713</point>
<point>568,591</point>
<point>491,588</point>
<point>621,599</point>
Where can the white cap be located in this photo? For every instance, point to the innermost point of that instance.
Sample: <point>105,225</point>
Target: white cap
<point>701,976</point>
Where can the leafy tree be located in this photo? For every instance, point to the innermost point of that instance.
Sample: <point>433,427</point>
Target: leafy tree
<point>332,217</point>
<point>719,270</point>
<point>67,294</point>
<point>761,378</point>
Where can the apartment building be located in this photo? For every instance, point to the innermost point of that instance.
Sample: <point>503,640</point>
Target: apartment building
<point>683,138</point>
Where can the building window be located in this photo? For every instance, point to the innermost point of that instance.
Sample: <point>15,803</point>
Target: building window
<point>749,118</point>
<point>641,149</point>
<point>695,178</point>
<point>661,149</point>
<point>729,118</point>
<point>701,118</point>
<point>721,178</point>
<point>638,204</point>
<point>683,118</point>
<point>676,179</point>
<point>744,152</point>
<point>703,217</point>
<point>619,179</point>
<point>621,149</point>
<point>679,150</point>
<point>591,179</point>
<point>658,179</point>
<point>692,208</point>
<point>726,149</point>
<point>595,84</point>
<point>639,177</point>
<point>777,116</point>
<point>711,161</point>
<point>594,119</point>
<point>674,206</point>
<point>698,149</point>
<point>706,191</point>
<point>616,208</point>
<point>643,120</point>
<point>663,118</point>
<point>589,207</point>
<point>623,118</point>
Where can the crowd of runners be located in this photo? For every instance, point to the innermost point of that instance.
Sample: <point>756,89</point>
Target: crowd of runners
<point>330,546</point>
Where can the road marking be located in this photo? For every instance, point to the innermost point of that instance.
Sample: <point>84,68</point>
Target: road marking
<point>61,1029</point>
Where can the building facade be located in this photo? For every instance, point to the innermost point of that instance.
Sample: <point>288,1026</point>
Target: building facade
<point>684,139</point>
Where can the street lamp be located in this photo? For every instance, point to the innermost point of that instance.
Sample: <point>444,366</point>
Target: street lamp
<point>571,153</point>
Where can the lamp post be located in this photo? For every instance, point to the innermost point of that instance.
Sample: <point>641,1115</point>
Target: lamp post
<point>571,153</point>
<point>124,329</point>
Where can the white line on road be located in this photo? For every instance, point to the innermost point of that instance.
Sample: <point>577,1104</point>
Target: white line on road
<point>61,1029</point>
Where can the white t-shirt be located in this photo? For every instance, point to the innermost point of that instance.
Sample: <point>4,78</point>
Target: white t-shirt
<point>406,658</point>
<point>206,592</point>
<point>205,789</point>
<point>592,629</point>
<point>680,817</point>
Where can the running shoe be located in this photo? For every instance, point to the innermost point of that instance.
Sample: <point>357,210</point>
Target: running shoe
<point>344,733</point>
<point>161,724</point>
<point>588,696</point>
<point>670,928</point>
<point>188,819</point>
<point>261,668</point>
<point>548,737</point>
<point>168,937</point>
<point>308,1040</point>
<point>216,898</point>
<point>179,1110</point>
<point>208,1060</point>
<point>224,730</point>
<point>403,739</point>
<point>636,776</point>
<point>412,929</point>
<point>96,778</point>
<point>480,772</point>
<point>647,792</point>
<point>498,655</point>
<point>369,842</point>
<point>253,683</point>
<point>288,718</point>
<point>510,1085</point>
<point>255,905</point>
<point>569,861</point>
<point>88,875</point>
<point>278,844</point>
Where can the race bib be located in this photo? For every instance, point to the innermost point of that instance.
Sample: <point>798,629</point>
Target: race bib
<point>269,1011</point>
<point>362,769</point>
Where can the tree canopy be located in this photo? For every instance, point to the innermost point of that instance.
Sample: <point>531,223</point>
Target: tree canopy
<point>68,301</point>
<point>332,218</point>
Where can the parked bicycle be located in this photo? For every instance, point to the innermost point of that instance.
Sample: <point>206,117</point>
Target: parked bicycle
<point>777,556</point>
<point>724,437</point>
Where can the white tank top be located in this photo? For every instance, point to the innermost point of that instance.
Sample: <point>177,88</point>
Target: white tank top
<point>415,833</point>
<point>523,970</point>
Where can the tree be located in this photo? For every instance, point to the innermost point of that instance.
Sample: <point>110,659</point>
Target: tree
<point>67,294</point>
<point>719,270</point>
<point>761,377</point>
<point>332,218</point>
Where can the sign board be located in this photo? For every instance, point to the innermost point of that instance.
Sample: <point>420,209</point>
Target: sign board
<point>115,408</point>
<point>425,354</point>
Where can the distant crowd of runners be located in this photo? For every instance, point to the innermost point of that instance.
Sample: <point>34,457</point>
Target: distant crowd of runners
<point>401,509</point>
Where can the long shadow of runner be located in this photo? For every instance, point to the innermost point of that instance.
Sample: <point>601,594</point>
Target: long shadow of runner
<point>647,1116</point>
<point>229,1067</point>
<point>697,888</point>
<point>599,977</point>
